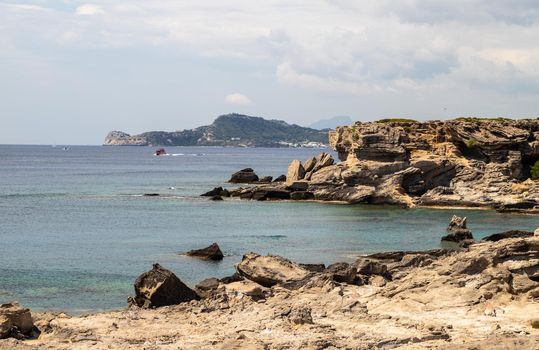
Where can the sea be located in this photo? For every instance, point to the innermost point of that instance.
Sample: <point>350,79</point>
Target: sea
<point>76,229</point>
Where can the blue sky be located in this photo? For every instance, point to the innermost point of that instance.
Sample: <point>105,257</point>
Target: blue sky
<point>70,71</point>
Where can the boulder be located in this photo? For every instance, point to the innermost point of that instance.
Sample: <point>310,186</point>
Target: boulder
<point>280,178</point>
<point>295,172</point>
<point>217,191</point>
<point>15,320</point>
<point>457,231</point>
<point>216,198</point>
<point>309,164</point>
<point>246,175</point>
<point>246,287</point>
<point>507,234</point>
<point>212,252</point>
<point>369,267</point>
<point>206,287</point>
<point>342,272</point>
<point>160,287</point>
<point>270,270</point>
<point>323,160</point>
<point>265,179</point>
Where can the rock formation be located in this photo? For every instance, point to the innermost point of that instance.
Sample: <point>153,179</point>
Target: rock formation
<point>466,162</point>
<point>246,175</point>
<point>212,252</point>
<point>483,297</point>
<point>457,231</point>
<point>15,321</point>
<point>160,287</point>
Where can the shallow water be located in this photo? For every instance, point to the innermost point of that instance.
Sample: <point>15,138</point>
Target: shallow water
<point>75,230</point>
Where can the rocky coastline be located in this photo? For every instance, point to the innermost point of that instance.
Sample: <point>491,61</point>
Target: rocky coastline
<point>458,163</point>
<point>483,296</point>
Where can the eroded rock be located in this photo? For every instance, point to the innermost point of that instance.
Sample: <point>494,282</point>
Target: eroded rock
<point>270,270</point>
<point>15,321</point>
<point>212,252</point>
<point>160,287</point>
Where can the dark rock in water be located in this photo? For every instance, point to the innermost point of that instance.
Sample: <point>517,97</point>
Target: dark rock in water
<point>265,179</point>
<point>216,198</point>
<point>15,321</point>
<point>457,231</point>
<point>301,195</point>
<point>160,287</point>
<point>314,267</point>
<point>212,252</point>
<point>205,288</point>
<point>235,277</point>
<point>280,178</point>
<point>508,234</point>
<point>269,193</point>
<point>342,272</point>
<point>151,194</point>
<point>246,175</point>
<point>217,191</point>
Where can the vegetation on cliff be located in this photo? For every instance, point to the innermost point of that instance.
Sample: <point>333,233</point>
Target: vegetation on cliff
<point>226,130</point>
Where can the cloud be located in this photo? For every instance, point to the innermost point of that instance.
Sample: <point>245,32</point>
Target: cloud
<point>238,99</point>
<point>89,10</point>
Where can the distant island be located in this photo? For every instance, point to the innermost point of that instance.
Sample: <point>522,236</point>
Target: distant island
<point>331,123</point>
<point>228,130</point>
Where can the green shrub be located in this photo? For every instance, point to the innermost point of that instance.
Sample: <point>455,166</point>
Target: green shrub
<point>470,143</point>
<point>397,120</point>
<point>534,171</point>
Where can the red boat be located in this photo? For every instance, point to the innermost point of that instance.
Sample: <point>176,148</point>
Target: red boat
<point>160,152</point>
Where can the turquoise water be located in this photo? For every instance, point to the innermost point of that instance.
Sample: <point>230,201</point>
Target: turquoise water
<point>75,230</point>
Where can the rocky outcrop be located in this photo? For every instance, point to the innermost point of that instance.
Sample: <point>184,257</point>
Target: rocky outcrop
<point>160,287</point>
<point>270,270</point>
<point>246,175</point>
<point>457,231</point>
<point>212,252</point>
<point>466,162</point>
<point>483,297</point>
<point>15,321</point>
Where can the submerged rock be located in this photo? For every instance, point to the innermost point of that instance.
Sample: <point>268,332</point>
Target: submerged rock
<point>246,175</point>
<point>217,191</point>
<point>15,321</point>
<point>270,270</point>
<point>212,252</point>
<point>160,287</point>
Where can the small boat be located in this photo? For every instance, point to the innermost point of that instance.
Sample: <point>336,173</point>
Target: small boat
<point>160,152</point>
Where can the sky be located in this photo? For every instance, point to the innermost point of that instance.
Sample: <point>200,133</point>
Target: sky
<point>71,71</point>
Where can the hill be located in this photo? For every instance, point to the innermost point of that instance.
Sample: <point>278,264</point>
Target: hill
<point>226,130</point>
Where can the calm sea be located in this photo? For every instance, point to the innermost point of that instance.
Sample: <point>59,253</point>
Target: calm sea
<point>76,230</point>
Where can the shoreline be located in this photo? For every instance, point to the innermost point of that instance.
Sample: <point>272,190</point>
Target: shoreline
<point>476,297</point>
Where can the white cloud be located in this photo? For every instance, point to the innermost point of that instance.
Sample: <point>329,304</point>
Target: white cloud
<point>237,99</point>
<point>89,10</point>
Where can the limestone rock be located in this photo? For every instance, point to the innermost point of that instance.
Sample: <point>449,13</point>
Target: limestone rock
<point>246,287</point>
<point>160,287</point>
<point>342,272</point>
<point>270,270</point>
<point>457,231</point>
<point>295,172</point>
<point>206,287</point>
<point>212,252</point>
<point>536,232</point>
<point>15,319</point>
<point>246,175</point>
<point>507,234</point>
<point>300,315</point>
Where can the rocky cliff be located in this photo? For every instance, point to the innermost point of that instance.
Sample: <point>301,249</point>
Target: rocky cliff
<point>463,162</point>
<point>226,130</point>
